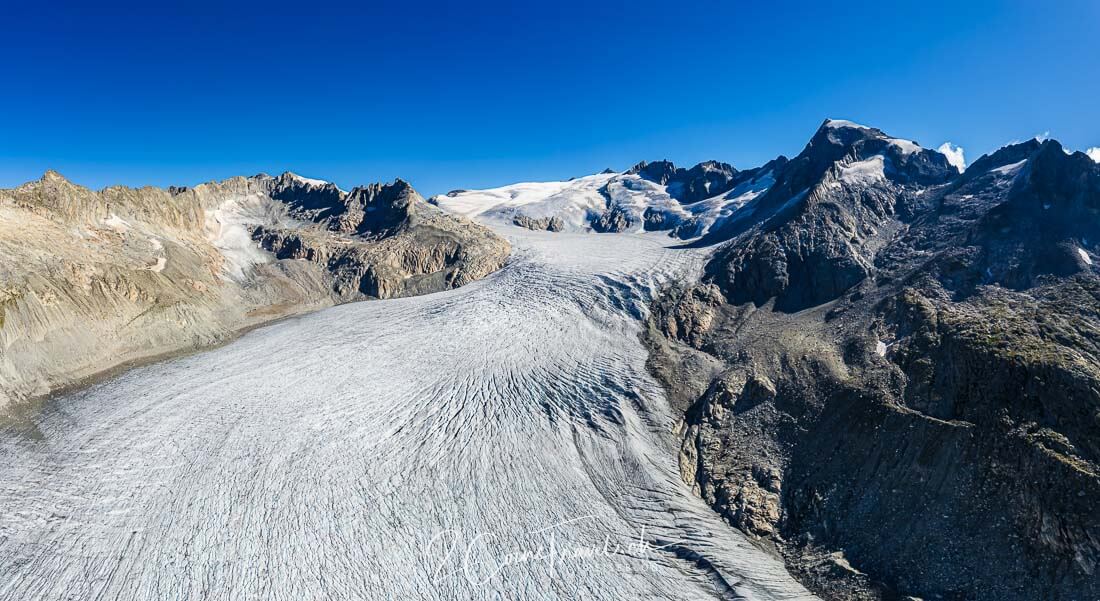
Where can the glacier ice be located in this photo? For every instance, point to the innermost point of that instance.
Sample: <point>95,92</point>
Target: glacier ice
<point>502,440</point>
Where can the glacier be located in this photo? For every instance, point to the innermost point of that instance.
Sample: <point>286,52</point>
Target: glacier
<point>498,441</point>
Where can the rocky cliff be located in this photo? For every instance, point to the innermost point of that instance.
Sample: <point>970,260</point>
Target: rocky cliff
<point>92,280</point>
<point>890,371</point>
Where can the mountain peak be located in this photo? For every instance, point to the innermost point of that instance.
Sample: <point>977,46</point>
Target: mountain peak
<point>659,172</point>
<point>844,123</point>
<point>53,176</point>
<point>288,176</point>
<point>1003,156</point>
<point>843,133</point>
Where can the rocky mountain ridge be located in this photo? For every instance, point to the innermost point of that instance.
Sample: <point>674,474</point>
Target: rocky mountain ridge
<point>96,279</point>
<point>890,370</point>
<point>658,196</point>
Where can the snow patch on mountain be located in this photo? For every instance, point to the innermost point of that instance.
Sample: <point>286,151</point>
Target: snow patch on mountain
<point>1094,153</point>
<point>227,229</point>
<point>906,147</point>
<point>311,182</point>
<point>839,123</point>
<point>308,180</point>
<point>865,172</point>
<point>1009,169</point>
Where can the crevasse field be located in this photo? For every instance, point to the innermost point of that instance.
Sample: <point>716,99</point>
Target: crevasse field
<point>499,441</point>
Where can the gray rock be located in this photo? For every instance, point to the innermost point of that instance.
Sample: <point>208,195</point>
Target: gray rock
<point>614,220</point>
<point>910,364</point>
<point>549,224</point>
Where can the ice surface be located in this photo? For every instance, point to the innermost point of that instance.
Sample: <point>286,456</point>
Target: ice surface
<point>1084,256</point>
<point>309,181</point>
<point>863,172</point>
<point>404,449</point>
<point>838,123</point>
<point>906,147</point>
<point>1010,169</point>
<point>227,228</point>
<point>578,200</point>
<point>571,200</point>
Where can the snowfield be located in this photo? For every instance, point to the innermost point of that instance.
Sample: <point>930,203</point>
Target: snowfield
<point>577,202</point>
<point>572,200</point>
<point>499,441</point>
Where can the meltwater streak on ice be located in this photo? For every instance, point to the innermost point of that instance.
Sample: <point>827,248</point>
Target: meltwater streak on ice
<point>401,449</point>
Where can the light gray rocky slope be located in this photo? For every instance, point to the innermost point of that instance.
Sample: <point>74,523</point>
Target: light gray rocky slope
<point>92,280</point>
<point>891,371</point>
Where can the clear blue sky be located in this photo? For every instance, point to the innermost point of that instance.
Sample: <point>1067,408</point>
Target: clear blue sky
<point>466,94</point>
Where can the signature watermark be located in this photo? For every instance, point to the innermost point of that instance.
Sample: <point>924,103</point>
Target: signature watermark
<point>479,557</point>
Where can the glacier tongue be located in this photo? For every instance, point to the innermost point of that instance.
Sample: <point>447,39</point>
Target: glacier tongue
<point>501,440</point>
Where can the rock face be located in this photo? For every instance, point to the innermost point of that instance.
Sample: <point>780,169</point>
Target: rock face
<point>705,180</point>
<point>891,370</point>
<point>91,280</point>
<point>549,224</point>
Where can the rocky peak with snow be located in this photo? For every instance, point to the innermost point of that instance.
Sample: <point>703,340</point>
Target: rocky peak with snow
<point>914,348</point>
<point>659,172</point>
<point>1034,210</point>
<point>705,180</point>
<point>837,141</point>
<point>711,201</point>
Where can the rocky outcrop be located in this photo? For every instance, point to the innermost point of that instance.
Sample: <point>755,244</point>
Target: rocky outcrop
<point>892,373</point>
<point>93,280</point>
<point>549,224</point>
<point>614,220</point>
<point>705,180</point>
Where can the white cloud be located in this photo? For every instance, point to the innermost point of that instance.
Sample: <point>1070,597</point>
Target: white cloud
<point>1094,153</point>
<point>954,155</point>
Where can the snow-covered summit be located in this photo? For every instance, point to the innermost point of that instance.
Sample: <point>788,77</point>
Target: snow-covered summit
<point>307,180</point>
<point>700,201</point>
<point>903,146</point>
<point>650,196</point>
<point>842,123</point>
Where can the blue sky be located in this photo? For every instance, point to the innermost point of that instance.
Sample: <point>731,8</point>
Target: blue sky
<point>466,95</point>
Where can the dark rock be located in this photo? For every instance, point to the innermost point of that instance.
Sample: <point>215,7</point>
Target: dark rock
<point>925,395</point>
<point>550,224</point>
<point>705,180</point>
<point>614,220</point>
